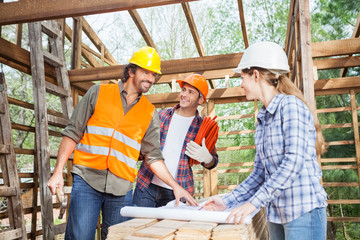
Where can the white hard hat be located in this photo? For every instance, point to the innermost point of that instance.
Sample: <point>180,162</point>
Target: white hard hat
<point>267,55</point>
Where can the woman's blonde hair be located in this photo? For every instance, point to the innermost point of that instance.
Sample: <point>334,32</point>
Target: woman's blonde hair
<point>283,84</point>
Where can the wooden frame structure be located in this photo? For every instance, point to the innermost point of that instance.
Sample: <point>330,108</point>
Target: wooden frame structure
<point>305,59</point>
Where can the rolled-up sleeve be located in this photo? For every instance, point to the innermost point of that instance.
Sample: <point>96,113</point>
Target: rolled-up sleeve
<point>81,115</point>
<point>150,144</point>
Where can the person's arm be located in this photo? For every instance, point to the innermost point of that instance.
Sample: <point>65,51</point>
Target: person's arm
<point>296,120</point>
<point>72,134</point>
<point>151,149</point>
<point>160,170</point>
<point>248,187</point>
<point>67,146</point>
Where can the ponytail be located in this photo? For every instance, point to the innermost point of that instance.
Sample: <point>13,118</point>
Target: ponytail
<point>283,84</point>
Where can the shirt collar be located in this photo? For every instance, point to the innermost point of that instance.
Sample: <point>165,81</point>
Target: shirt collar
<point>123,91</point>
<point>271,108</point>
<point>197,116</point>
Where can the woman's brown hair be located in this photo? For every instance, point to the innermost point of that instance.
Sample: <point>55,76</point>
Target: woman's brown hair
<point>283,84</point>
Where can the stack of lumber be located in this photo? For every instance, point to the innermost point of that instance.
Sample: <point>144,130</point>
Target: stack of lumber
<point>162,230</point>
<point>231,232</point>
<point>195,231</point>
<point>153,229</point>
<point>118,231</point>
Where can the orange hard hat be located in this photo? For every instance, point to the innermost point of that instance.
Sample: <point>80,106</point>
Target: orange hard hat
<point>198,81</point>
<point>148,58</point>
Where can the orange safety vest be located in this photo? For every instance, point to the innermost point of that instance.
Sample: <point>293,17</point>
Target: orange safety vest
<point>112,140</point>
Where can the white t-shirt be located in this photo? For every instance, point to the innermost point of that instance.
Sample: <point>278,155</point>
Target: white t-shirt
<point>174,141</point>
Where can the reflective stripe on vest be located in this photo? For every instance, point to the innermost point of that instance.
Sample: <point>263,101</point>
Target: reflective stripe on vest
<point>112,140</point>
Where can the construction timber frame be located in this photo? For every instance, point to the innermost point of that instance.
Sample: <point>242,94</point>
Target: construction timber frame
<point>306,58</point>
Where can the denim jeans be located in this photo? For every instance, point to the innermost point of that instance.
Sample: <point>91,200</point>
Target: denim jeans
<point>310,226</point>
<point>84,209</point>
<point>153,196</point>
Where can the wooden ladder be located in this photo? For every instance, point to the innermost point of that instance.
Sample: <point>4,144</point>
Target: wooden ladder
<point>11,184</point>
<point>54,57</point>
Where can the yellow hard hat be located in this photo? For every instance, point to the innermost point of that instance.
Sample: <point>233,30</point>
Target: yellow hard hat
<point>148,58</point>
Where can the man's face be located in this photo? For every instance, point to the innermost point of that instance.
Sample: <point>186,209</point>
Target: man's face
<point>143,79</point>
<point>190,97</point>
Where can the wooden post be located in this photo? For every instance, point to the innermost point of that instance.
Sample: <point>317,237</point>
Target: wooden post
<point>356,129</point>
<point>76,44</point>
<point>41,128</point>
<point>19,34</point>
<point>35,196</point>
<point>306,54</point>
<point>210,177</point>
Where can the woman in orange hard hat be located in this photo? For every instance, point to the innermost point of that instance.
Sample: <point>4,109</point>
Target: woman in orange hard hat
<point>109,128</point>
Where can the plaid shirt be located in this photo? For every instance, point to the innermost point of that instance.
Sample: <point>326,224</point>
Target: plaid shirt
<point>286,175</point>
<point>184,173</point>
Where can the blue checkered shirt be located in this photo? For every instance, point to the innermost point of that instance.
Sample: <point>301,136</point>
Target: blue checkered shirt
<point>286,175</point>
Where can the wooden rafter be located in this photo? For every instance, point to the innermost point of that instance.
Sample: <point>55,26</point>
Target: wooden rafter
<point>142,28</point>
<point>290,28</point>
<point>195,34</point>
<point>84,48</point>
<point>193,29</point>
<point>96,40</point>
<point>199,64</point>
<point>209,75</point>
<point>243,23</point>
<point>355,34</point>
<point>29,10</point>
<point>19,58</point>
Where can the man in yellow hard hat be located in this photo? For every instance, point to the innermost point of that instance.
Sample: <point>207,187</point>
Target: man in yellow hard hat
<point>109,128</point>
<point>178,129</point>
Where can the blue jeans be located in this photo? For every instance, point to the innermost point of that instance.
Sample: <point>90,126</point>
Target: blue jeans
<point>84,209</point>
<point>310,226</point>
<point>153,196</point>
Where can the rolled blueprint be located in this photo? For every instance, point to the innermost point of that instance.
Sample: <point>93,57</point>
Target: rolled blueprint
<point>179,213</point>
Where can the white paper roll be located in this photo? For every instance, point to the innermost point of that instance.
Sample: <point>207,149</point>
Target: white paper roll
<point>178,214</point>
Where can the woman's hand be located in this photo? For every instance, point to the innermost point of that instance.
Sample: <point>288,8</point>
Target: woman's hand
<point>214,204</point>
<point>239,214</point>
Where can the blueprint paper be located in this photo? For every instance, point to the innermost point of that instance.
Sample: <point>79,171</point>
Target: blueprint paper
<point>182,212</point>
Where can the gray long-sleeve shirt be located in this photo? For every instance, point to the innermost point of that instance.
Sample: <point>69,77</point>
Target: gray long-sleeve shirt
<point>104,180</point>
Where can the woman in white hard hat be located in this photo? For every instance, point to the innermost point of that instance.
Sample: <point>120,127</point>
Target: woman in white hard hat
<point>286,175</point>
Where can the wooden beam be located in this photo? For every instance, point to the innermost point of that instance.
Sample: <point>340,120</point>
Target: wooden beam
<point>199,64</point>
<point>243,23</point>
<point>84,47</point>
<point>337,83</point>
<point>213,94</point>
<point>193,29</point>
<point>355,34</point>
<point>29,10</point>
<point>142,28</point>
<point>19,58</point>
<point>336,47</point>
<point>94,38</point>
<point>209,75</point>
<point>290,28</point>
<point>339,62</point>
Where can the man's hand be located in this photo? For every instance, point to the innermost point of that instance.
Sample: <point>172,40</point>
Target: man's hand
<point>56,181</point>
<point>179,192</point>
<point>199,153</point>
<point>160,170</point>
